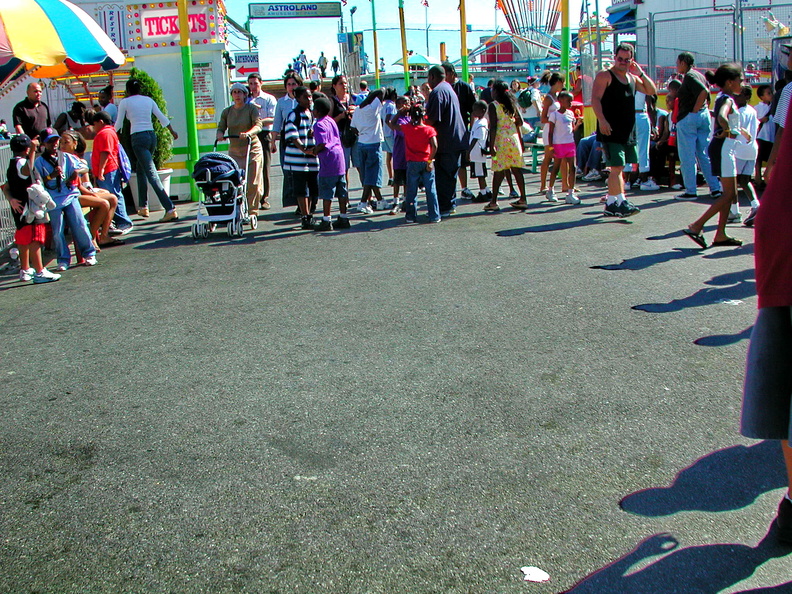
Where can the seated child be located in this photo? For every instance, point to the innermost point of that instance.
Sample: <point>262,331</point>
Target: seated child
<point>60,174</point>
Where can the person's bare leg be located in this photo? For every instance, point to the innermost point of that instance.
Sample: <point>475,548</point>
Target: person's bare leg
<point>519,179</point>
<point>616,181</point>
<point>720,207</point>
<point>302,201</point>
<point>35,256</point>
<point>554,173</point>
<point>497,178</point>
<point>548,156</point>
<point>787,450</point>
<point>24,256</point>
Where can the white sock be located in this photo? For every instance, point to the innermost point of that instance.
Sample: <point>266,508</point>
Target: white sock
<point>735,209</point>
<point>485,190</point>
<point>343,215</point>
<point>754,203</point>
<point>619,199</point>
<point>326,218</point>
<point>611,199</point>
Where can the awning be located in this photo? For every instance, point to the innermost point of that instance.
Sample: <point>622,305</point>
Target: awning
<point>622,15</point>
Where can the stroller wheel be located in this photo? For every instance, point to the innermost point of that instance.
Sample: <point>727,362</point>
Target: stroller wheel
<point>204,231</point>
<point>195,231</point>
<point>253,222</point>
<point>231,228</point>
<point>240,228</point>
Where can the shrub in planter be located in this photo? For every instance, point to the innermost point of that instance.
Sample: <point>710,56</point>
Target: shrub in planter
<point>151,88</point>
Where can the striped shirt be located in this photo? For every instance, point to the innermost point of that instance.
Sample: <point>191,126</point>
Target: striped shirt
<point>783,106</point>
<point>299,125</point>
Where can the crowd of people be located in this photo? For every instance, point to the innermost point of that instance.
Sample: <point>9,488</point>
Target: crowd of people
<point>431,138</point>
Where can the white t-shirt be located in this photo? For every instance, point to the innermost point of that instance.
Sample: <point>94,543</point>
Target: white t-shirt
<point>747,150</point>
<point>563,132</point>
<point>138,109</point>
<point>368,123</point>
<point>536,104</point>
<point>478,132</point>
<point>767,131</point>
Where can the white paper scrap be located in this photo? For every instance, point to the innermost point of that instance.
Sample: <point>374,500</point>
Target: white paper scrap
<point>534,574</point>
<point>729,301</point>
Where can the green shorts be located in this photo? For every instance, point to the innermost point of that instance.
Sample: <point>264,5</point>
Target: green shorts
<point>618,155</point>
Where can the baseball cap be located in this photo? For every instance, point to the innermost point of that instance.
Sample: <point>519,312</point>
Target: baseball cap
<point>48,134</point>
<point>20,142</point>
<point>531,80</point>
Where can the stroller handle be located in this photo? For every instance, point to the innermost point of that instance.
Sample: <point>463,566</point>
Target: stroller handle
<point>217,140</point>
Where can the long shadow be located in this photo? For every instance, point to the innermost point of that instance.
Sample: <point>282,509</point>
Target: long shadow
<point>562,226</point>
<point>725,480</point>
<point>704,569</point>
<point>718,340</point>
<point>643,262</point>
<point>733,285</point>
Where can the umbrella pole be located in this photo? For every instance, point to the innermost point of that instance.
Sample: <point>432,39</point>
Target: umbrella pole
<point>463,36</point>
<point>404,48</point>
<point>189,94</point>
<point>376,50</point>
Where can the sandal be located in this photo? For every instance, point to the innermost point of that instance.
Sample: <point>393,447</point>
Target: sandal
<point>112,242</point>
<point>519,205</point>
<point>728,242</point>
<point>697,237</point>
<point>491,207</point>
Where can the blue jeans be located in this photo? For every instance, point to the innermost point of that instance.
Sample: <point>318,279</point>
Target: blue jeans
<point>588,157</point>
<point>692,143</point>
<point>416,170</point>
<point>370,164</point>
<point>112,183</point>
<point>143,145</point>
<point>643,134</point>
<point>79,230</point>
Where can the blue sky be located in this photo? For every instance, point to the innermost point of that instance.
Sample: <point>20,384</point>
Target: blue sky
<point>280,40</point>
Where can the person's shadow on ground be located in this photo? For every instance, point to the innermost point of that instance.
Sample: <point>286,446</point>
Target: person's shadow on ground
<point>704,569</point>
<point>719,340</point>
<point>725,480</point>
<point>732,285</point>
<point>647,260</point>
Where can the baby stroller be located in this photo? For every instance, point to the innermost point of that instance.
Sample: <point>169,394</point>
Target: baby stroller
<point>223,187</point>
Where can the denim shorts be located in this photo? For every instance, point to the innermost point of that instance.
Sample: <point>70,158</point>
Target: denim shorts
<point>768,377</point>
<point>371,164</point>
<point>332,186</point>
<point>305,184</point>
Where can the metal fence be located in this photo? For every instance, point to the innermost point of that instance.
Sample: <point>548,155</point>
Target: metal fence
<point>713,37</point>
<point>7,227</point>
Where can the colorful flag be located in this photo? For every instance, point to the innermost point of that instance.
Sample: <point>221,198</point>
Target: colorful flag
<point>425,3</point>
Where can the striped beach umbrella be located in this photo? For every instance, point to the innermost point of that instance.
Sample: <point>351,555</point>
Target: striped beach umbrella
<point>55,33</point>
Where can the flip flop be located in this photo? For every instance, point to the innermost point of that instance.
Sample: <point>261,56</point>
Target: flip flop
<point>492,207</point>
<point>728,242</point>
<point>697,237</point>
<point>112,243</point>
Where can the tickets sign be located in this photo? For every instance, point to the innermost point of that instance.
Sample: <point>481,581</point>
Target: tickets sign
<point>157,24</point>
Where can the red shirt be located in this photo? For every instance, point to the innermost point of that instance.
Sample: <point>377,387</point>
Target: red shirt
<point>772,237</point>
<point>105,141</point>
<point>416,142</point>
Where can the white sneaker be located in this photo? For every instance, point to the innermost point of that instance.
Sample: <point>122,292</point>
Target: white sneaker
<point>676,187</point>
<point>550,195</point>
<point>27,275</point>
<point>62,267</point>
<point>572,199</point>
<point>650,185</point>
<point>734,217</point>
<point>45,276</point>
<point>91,261</point>
<point>627,186</point>
<point>364,208</point>
<point>592,175</point>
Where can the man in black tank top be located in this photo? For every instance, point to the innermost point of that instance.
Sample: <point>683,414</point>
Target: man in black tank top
<point>613,100</point>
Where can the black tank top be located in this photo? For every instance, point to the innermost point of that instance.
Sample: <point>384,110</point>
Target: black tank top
<point>618,107</point>
<point>17,187</point>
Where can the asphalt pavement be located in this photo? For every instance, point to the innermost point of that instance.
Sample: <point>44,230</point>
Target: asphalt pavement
<point>390,409</point>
